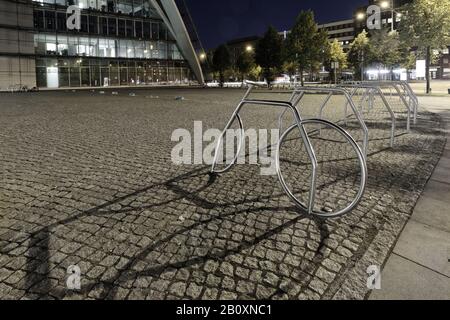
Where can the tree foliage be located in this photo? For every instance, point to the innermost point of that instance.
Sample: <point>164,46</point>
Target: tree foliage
<point>305,45</point>
<point>245,63</point>
<point>221,61</point>
<point>386,48</point>
<point>337,54</point>
<point>360,49</point>
<point>426,26</point>
<point>268,53</point>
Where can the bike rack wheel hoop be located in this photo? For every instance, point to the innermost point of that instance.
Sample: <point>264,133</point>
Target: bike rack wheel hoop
<point>361,161</point>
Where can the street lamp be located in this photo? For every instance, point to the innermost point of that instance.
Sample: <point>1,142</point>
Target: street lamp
<point>249,48</point>
<point>202,56</point>
<point>360,16</point>
<point>384,4</point>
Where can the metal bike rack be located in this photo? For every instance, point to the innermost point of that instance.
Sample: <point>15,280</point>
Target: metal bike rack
<point>408,93</point>
<point>299,93</point>
<point>404,92</point>
<point>369,92</point>
<point>413,100</point>
<point>300,125</point>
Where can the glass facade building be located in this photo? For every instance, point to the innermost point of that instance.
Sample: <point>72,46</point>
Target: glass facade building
<point>119,43</point>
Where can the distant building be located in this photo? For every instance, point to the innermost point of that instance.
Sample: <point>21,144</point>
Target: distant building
<point>343,31</point>
<point>238,46</point>
<point>443,66</point>
<point>119,42</point>
<point>360,18</point>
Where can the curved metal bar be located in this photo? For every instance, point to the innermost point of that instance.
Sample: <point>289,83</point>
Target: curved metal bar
<point>386,104</point>
<point>413,97</point>
<point>241,141</point>
<point>408,126</point>
<point>407,88</point>
<point>305,137</point>
<point>331,91</point>
<point>361,159</point>
<point>294,100</point>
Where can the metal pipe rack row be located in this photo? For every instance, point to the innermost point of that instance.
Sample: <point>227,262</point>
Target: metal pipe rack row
<point>300,123</point>
<point>348,91</point>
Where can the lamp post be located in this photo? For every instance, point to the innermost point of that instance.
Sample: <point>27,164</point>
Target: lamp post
<point>361,58</point>
<point>394,14</point>
<point>386,4</point>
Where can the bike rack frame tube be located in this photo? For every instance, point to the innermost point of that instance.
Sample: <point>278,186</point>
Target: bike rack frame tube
<point>407,106</point>
<point>300,92</point>
<point>300,124</point>
<point>303,133</point>
<point>385,102</point>
<point>395,85</point>
<point>413,98</point>
<point>361,159</point>
<point>407,88</point>
<point>238,152</point>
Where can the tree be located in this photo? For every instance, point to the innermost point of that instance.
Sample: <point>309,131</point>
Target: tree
<point>426,25</point>
<point>290,67</point>
<point>206,62</point>
<point>244,64</point>
<point>410,62</point>
<point>360,49</point>
<point>305,45</point>
<point>255,73</point>
<point>337,54</point>
<point>221,62</point>
<point>387,50</point>
<point>268,53</point>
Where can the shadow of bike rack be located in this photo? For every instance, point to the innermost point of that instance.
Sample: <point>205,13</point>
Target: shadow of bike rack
<point>300,125</point>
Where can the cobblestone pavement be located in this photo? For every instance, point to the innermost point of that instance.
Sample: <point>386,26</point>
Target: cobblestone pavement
<point>87,179</point>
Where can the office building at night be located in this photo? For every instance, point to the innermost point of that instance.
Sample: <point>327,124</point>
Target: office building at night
<point>118,43</point>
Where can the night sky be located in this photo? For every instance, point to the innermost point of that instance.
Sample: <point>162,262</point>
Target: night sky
<point>219,21</point>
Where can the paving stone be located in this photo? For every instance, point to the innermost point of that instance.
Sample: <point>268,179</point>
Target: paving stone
<point>178,289</point>
<point>194,291</point>
<point>87,181</point>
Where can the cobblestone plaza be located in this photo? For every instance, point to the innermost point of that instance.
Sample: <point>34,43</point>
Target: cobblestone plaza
<point>87,180</point>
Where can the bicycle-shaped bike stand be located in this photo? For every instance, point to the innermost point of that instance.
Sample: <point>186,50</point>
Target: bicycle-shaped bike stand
<point>305,136</point>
